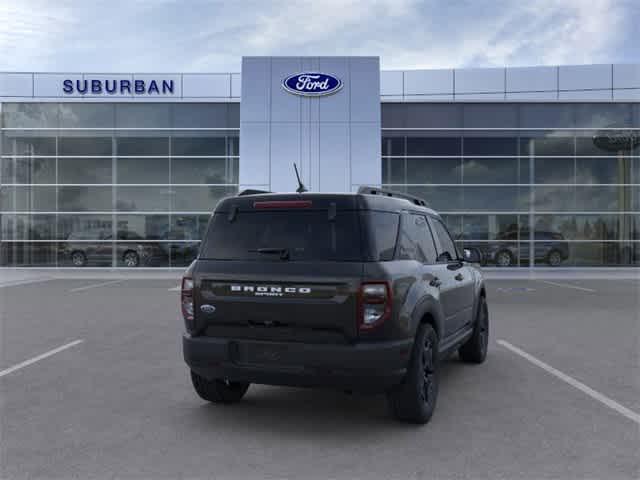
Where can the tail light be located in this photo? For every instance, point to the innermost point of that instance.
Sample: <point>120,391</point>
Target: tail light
<point>186,301</point>
<point>374,305</point>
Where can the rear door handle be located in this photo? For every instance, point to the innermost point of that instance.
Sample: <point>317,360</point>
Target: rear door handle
<point>435,282</point>
<point>459,277</point>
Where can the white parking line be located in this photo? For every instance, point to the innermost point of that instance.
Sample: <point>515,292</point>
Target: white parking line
<point>39,357</point>
<point>612,404</point>
<point>175,289</point>
<point>95,285</point>
<point>24,282</point>
<point>568,285</point>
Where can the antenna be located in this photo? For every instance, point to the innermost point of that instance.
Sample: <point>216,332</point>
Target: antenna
<point>301,188</point>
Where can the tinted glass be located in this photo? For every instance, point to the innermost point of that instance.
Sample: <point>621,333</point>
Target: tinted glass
<point>143,199</point>
<point>554,170</point>
<point>497,198</point>
<point>142,170</point>
<point>442,199</point>
<point>78,146</point>
<point>87,115</point>
<point>202,170</point>
<point>148,146</point>
<point>30,115</point>
<point>28,227</point>
<point>192,146</point>
<point>447,247</point>
<point>434,170</point>
<point>150,227</point>
<point>490,146</point>
<point>26,254</point>
<point>84,170</point>
<point>27,199</point>
<point>200,115</point>
<point>490,115</point>
<point>601,170</point>
<point>393,146</point>
<point>199,199</point>
<point>131,115</point>
<point>547,145</point>
<point>16,144</point>
<point>304,235</point>
<point>490,227</point>
<point>557,198</point>
<point>85,227</point>
<point>394,170</point>
<point>187,227</point>
<point>603,115</point>
<point>80,199</point>
<point>415,241</point>
<point>28,170</point>
<point>434,146</point>
<point>490,170</point>
<point>380,233</point>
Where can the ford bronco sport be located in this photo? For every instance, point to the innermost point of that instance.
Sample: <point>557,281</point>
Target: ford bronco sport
<point>362,292</point>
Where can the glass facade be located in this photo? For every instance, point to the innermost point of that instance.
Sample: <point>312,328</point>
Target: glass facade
<point>529,184</point>
<point>112,184</point>
<point>133,184</point>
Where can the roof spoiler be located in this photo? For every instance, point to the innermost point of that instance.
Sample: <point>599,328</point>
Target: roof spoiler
<point>251,191</point>
<point>391,193</point>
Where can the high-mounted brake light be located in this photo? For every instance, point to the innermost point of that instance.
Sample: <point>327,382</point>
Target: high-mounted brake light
<point>374,304</point>
<point>283,204</point>
<point>186,301</point>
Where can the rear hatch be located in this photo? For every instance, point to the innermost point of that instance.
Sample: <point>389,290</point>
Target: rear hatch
<point>282,268</point>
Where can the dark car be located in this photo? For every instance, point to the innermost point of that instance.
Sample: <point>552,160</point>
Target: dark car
<point>95,248</point>
<point>358,291</point>
<point>512,247</point>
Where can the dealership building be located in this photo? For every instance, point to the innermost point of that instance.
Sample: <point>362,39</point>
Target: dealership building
<point>536,166</point>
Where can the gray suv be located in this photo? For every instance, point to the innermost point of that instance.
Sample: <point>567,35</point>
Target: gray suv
<point>358,291</point>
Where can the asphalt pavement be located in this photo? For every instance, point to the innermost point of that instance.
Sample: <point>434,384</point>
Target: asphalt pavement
<point>92,385</point>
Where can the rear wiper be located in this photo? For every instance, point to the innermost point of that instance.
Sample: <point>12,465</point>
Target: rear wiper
<point>283,252</point>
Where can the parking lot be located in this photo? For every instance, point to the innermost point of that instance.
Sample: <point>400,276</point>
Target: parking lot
<point>93,385</point>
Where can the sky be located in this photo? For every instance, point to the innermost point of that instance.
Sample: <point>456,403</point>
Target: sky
<point>212,36</point>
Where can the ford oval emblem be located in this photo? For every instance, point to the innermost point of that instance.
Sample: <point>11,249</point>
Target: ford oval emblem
<point>207,308</point>
<point>312,84</point>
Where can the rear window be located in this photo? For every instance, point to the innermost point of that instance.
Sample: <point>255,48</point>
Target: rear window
<point>283,235</point>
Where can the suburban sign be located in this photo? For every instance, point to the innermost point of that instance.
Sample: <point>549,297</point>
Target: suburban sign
<point>118,87</point>
<point>312,84</point>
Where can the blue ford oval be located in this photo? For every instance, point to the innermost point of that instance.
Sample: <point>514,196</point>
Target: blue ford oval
<point>312,84</point>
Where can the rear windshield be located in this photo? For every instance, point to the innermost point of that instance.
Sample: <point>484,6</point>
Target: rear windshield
<point>284,235</point>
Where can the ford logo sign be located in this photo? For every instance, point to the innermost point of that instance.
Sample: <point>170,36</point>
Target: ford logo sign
<point>312,84</point>
<point>207,309</point>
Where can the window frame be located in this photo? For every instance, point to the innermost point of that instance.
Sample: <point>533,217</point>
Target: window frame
<point>436,237</point>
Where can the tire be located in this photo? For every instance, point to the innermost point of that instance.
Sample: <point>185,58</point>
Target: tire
<point>217,390</point>
<point>78,259</point>
<point>414,400</point>
<point>554,258</point>
<point>475,349</point>
<point>504,258</point>
<point>130,259</point>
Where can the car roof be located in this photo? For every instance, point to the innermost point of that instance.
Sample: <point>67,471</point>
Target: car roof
<point>321,201</point>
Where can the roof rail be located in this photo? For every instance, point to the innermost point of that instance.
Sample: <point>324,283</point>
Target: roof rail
<point>251,191</point>
<point>390,193</point>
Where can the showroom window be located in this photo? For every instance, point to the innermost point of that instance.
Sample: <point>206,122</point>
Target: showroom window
<point>82,184</point>
<point>544,184</point>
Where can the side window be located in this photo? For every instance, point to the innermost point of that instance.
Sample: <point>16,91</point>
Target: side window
<point>447,247</point>
<point>415,241</point>
<point>381,231</point>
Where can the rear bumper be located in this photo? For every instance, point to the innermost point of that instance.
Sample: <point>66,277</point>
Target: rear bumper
<point>364,367</point>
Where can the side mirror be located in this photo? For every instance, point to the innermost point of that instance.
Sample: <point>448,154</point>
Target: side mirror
<point>472,255</point>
